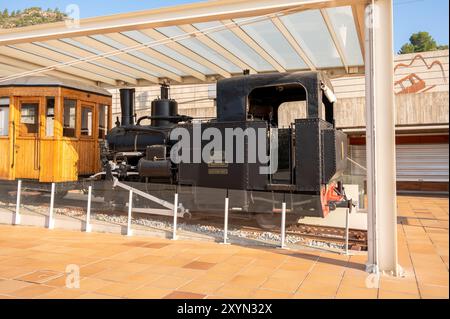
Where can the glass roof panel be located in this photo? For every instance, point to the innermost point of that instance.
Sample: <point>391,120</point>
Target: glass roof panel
<point>266,34</point>
<point>235,45</point>
<point>310,30</point>
<point>143,38</point>
<point>114,58</point>
<point>76,57</point>
<point>344,26</point>
<point>137,54</point>
<point>199,48</point>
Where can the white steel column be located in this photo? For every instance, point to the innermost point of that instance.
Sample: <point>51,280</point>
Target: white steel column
<point>88,211</point>
<point>130,210</point>
<point>51,218</point>
<point>380,138</point>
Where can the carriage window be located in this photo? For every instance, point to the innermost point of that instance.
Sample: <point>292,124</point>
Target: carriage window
<point>50,116</point>
<point>4,116</point>
<point>69,120</point>
<point>29,118</point>
<point>86,121</point>
<point>102,121</point>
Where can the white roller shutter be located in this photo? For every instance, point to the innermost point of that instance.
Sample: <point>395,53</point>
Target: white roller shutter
<point>422,162</point>
<point>415,162</point>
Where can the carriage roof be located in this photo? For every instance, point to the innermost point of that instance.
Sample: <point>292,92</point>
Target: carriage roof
<point>48,81</point>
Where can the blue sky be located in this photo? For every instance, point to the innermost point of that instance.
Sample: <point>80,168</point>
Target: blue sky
<point>409,15</point>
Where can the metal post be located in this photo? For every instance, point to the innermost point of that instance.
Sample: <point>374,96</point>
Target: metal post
<point>225,226</point>
<point>51,220</point>
<point>380,139</point>
<point>175,213</point>
<point>130,207</point>
<point>283,224</point>
<point>347,225</point>
<point>88,211</point>
<point>17,214</point>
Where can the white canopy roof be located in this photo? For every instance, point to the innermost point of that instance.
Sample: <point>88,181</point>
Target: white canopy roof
<point>192,43</point>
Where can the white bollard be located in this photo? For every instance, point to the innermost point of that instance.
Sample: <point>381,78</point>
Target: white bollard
<point>175,213</point>
<point>17,215</point>
<point>225,226</point>
<point>51,220</point>
<point>347,224</point>
<point>130,207</point>
<point>88,211</point>
<point>283,225</point>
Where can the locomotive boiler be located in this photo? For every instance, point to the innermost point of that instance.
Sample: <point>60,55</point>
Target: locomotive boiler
<point>302,163</point>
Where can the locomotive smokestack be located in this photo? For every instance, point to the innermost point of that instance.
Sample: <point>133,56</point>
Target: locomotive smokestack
<point>163,109</point>
<point>127,106</point>
<point>164,92</point>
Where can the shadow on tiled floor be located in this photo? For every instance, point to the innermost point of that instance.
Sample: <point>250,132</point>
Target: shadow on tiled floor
<point>33,264</point>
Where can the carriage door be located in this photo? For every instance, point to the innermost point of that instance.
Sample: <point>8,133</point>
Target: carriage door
<point>27,146</point>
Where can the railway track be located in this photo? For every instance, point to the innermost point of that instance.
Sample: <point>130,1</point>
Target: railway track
<point>327,234</point>
<point>357,239</point>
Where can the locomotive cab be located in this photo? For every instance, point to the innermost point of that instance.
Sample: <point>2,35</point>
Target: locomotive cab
<point>303,154</point>
<point>309,152</point>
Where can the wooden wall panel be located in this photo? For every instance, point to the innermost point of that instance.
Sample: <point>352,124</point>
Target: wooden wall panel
<point>49,160</point>
<point>68,169</point>
<point>5,160</point>
<point>27,165</point>
<point>60,159</point>
<point>87,159</point>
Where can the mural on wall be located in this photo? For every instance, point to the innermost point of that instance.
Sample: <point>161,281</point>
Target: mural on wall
<point>413,83</point>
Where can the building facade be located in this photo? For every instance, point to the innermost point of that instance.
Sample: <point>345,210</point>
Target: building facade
<point>422,109</point>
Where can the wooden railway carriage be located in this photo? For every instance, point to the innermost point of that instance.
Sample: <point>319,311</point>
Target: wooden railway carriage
<point>50,129</point>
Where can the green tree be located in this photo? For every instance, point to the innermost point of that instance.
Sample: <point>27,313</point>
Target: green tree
<point>29,16</point>
<point>420,42</point>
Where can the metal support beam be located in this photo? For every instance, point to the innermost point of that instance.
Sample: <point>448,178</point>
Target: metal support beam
<point>236,29</point>
<point>334,37</point>
<point>10,70</point>
<point>129,42</point>
<point>157,200</point>
<point>380,139</point>
<point>51,217</point>
<point>358,16</point>
<point>82,53</point>
<point>184,14</point>
<point>17,213</point>
<point>19,66</point>
<point>45,62</point>
<point>104,48</point>
<point>64,58</point>
<point>213,45</point>
<point>294,43</point>
<point>88,211</point>
<point>186,52</point>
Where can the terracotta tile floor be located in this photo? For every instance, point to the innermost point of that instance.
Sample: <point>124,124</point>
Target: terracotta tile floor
<point>33,262</point>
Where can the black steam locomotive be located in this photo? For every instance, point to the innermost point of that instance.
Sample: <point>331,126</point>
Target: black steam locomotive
<point>311,153</point>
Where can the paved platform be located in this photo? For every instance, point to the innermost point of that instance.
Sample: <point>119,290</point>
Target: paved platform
<point>34,261</point>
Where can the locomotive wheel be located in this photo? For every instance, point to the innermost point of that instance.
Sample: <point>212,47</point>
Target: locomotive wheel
<point>271,221</point>
<point>61,194</point>
<point>268,221</point>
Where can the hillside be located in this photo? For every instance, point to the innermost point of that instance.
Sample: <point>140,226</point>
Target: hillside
<point>29,16</point>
